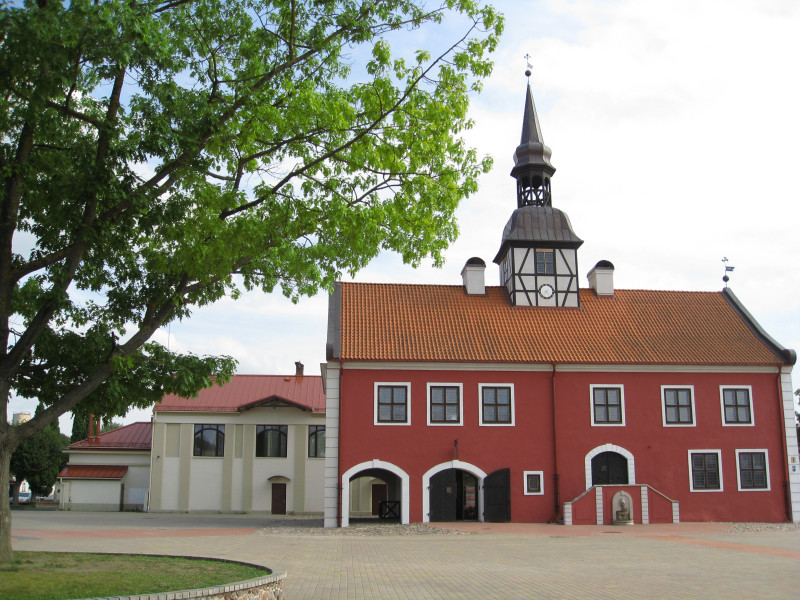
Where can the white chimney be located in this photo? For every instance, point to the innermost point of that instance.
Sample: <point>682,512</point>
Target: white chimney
<point>472,276</point>
<point>601,278</point>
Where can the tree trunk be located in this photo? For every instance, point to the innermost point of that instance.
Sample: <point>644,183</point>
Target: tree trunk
<point>5,505</point>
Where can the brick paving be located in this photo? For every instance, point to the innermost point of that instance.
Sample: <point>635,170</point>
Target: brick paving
<point>499,561</point>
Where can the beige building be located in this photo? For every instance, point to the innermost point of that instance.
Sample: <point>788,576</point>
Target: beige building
<point>255,444</point>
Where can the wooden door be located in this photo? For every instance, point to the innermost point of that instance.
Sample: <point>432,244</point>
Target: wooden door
<point>380,493</point>
<point>443,496</point>
<point>497,496</point>
<point>609,468</point>
<point>278,498</point>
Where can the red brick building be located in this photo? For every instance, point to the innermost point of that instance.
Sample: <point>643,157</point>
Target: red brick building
<point>538,401</point>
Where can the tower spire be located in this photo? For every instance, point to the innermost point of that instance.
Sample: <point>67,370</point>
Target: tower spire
<point>532,168</point>
<point>538,256</point>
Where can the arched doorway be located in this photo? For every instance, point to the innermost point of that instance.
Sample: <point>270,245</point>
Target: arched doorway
<point>589,465</point>
<point>609,468</point>
<point>395,480</point>
<point>438,504</point>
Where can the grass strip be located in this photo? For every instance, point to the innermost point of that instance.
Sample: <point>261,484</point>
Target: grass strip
<point>66,576</point>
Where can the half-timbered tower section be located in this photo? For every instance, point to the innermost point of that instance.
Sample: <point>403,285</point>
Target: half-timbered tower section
<point>538,401</point>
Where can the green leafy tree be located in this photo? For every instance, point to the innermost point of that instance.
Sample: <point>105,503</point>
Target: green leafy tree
<point>109,426</point>
<point>38,460</point>
<point>80,428</point>
<point>159,155</point>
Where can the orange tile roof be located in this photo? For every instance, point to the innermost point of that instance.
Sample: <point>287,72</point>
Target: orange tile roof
<point>246,391</point>
<point>93,472</point>
<point>402,322</point>
<point>136,436</point>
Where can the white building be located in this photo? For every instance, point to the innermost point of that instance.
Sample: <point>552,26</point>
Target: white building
<point>255,444</point>
<point>108,472</point>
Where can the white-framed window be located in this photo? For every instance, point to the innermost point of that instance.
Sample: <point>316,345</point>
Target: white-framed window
<point>496,404</point>
<point>677,406</point>
<point>607,405</point>
<point>392,403</point>
<point>533,483</point>
<point>445,403</point>
<point>705,470</point>
<point>752,470</point>
<point>736,403</point>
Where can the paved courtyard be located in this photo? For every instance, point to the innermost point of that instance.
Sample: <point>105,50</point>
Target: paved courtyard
<point>471,560</point>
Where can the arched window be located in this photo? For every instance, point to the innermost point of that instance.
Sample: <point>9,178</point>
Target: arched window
<point>209,440</point>
<point>316,441</point>
<point>271,441</point>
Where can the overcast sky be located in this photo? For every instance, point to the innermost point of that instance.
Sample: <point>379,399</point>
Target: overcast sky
<point>674,127</point>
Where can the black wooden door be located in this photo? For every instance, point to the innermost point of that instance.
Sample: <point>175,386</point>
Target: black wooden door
<point>443,496</point>
<point>609,468</point>
<point>497,496</point>
<point>278,498</point>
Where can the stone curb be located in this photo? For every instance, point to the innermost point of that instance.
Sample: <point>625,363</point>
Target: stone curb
<point>267,587</point>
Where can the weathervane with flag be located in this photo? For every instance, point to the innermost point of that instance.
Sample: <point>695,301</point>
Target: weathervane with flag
<point>728,269</point>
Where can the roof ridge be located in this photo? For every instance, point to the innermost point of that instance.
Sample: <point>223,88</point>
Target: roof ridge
<point>268,375</point>
<point>583,289</point>
<point>390,284</point>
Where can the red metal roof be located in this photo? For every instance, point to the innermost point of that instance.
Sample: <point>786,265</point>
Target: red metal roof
<point>136,436</point>
<point>402,322</point>
<point>93,472</point>
<point>248,391</point>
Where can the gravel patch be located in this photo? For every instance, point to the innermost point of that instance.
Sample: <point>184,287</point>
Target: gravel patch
<point>302,525</point>
<point>306,526</point>
<point>763,527</point>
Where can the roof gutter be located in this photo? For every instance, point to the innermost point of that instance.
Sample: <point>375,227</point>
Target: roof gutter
<point>787,355</point>
<point>787,493</point>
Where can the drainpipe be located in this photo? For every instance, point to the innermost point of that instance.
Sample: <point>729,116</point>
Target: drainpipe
<point>787,495</point>
<point>556,495</point>
<point>152,462</point>
<point>339,484</point>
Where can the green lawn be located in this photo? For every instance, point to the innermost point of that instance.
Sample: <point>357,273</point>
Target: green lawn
<point>65,576</point>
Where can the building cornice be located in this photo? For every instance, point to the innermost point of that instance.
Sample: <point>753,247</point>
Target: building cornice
<point>547,368</point>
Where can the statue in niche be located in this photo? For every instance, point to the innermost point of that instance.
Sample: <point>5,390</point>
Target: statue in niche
<point>623,513</point>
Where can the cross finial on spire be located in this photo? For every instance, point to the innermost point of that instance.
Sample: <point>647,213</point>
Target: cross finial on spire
<point>530,66</point>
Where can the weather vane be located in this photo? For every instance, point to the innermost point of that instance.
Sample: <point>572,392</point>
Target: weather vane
<point>529,70</point>
<point>728,269</point>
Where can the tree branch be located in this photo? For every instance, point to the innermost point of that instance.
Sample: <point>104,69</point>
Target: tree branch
<point>69,400</point>
<point>70,112</point>
<point>366,130</point>
<point>78,248</point>
<point>226,116</point>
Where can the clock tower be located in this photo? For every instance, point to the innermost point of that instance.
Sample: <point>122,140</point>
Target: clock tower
<point>538,255</point>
